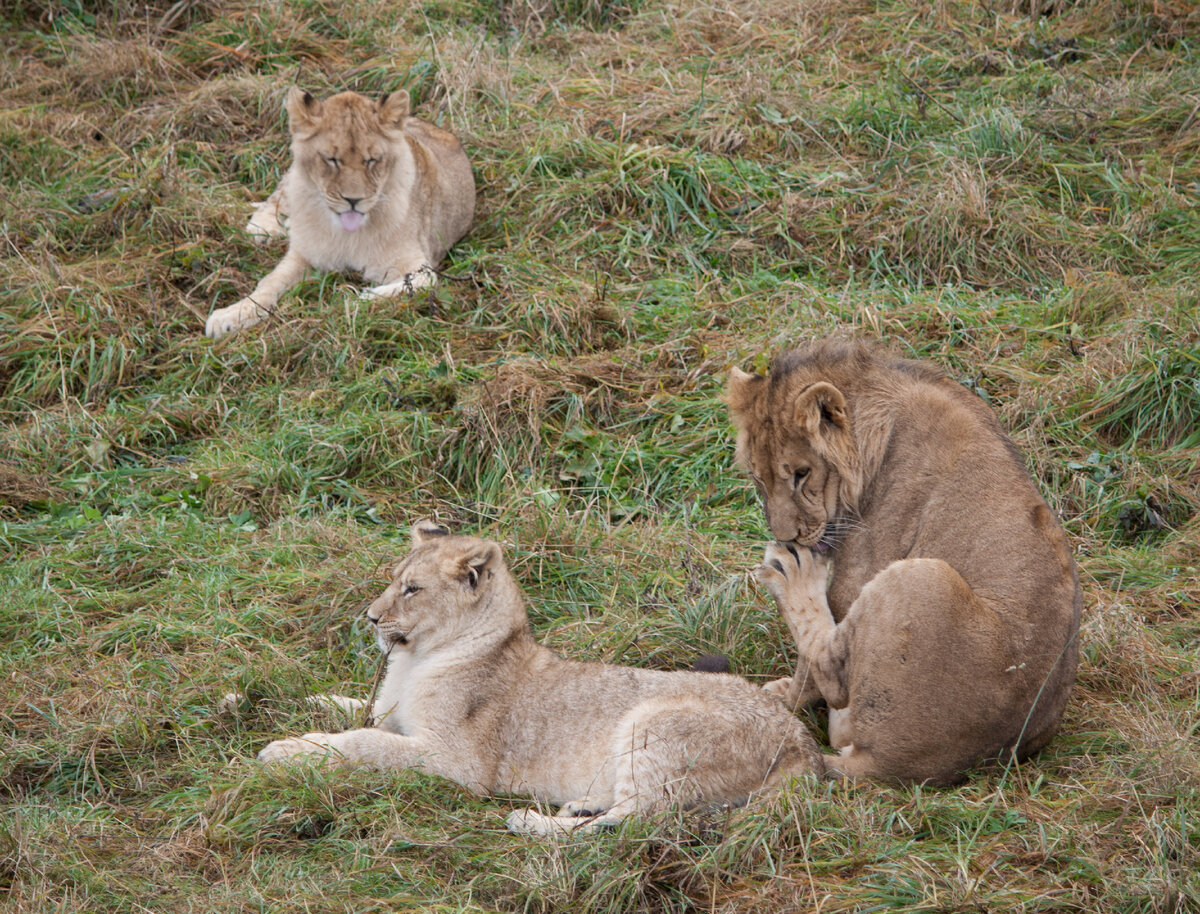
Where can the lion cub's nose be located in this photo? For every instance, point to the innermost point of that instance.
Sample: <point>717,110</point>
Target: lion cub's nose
<point>353,201</point>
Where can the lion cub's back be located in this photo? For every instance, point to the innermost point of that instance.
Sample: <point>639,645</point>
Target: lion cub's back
<point>455,180</point>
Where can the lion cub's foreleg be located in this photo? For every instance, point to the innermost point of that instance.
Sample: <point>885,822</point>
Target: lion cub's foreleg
<point>797,578</point>
<point>259,304</point>
<point>371,747</point>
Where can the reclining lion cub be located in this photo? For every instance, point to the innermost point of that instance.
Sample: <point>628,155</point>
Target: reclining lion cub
<point>370,189</point>
<point>469,695</point>
<point>948,635</point>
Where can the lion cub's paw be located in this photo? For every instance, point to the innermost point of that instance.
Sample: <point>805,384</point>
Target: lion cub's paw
<point>790,571</point>
<point>584,806</point>
<point>779,688</point>
<point>532,822</point>
<point>224,321</point>
<point>308,744</point>
<point>422,278</point>
<point>264,225</point>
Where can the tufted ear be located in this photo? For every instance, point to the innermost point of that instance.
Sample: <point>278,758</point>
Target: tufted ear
<point>481,558</point>
<point>304,111</point>
<point>741,391</point>
<point>425,530</point>
<point>393,109</point>
<point>820,405</point>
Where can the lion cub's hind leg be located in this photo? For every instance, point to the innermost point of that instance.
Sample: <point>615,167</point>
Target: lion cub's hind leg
<point>669,751</point>
<point>797,578</point>
<point>918,636</point>
<point>264,223</point>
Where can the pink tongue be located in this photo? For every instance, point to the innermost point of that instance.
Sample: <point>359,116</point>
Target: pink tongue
<point>352,220</point>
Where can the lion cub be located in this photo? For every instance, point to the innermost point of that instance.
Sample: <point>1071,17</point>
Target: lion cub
<point>948,631</point>
<point>471,696</point>
<point>370,189</point>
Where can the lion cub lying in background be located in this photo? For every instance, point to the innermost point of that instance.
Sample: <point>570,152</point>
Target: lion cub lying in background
<point>469,695</point>
<point>370,189</point>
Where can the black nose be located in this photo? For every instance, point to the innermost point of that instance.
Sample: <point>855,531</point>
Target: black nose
<point>353,201</point>
<point>372,619</point>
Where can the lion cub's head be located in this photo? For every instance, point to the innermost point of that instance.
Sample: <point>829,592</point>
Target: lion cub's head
<point>446,587</point>
<point>796,439</point>
<point>346,147</point>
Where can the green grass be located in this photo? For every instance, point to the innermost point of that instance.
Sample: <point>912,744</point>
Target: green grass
<point>666,190</point>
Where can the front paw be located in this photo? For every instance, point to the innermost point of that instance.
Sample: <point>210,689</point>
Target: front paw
<point>788,569</point>
<point>224,321</point>
<point>308,744</point>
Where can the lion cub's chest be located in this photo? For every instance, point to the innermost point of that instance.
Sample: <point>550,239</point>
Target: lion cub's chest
<point>410,694</point>
<point>315,233</point>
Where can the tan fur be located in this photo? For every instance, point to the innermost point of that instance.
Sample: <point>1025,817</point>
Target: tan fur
<point>469,695</point>
<point>949,632</point>
<point>410,180</point>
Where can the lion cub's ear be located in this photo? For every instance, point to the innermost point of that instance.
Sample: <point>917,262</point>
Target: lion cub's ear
<point>425,530</point>
<point>817,403</point>
<point>304,111</point>
<point>480,558</point>
<point>393,109</point>
<point>741,391</point>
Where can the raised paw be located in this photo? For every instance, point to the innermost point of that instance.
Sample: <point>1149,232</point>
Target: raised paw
<point>224,321</point>
<point>789,571</point>
<point>308,744</point>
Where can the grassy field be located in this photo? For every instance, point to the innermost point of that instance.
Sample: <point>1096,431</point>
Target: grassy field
<point>667,188</point>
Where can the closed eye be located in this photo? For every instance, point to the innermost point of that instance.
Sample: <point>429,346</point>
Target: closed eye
<point>331,161</point>
<point>798,478</point>
<point>408,590</point>
<point>371,162</point>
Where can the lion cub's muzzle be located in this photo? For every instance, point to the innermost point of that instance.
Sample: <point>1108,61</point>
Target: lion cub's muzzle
<point>387,634</point>
<point>387,638</point>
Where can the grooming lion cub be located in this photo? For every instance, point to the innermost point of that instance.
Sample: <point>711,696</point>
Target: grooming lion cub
<point>948,635</point>
<point>370,189</point>
<point>469,695</point>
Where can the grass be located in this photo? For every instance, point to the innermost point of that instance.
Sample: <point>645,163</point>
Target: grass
<point>666,190</point>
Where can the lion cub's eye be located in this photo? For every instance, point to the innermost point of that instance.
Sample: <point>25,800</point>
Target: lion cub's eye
<point>408,590</point>
<point>331,161</point>
<point>798,477</point>
<point>372,162</point>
